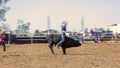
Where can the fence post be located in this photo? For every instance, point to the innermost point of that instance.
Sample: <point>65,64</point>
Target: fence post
<point>116,38</point>
<point>31,39</point>
<point>9,38</point>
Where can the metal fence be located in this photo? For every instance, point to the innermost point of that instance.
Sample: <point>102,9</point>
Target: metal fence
<point>11,38</point>
<point>38,39</point>
<point>103,39</point>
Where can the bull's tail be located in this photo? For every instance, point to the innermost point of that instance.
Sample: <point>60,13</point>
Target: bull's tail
<point>51,44</point>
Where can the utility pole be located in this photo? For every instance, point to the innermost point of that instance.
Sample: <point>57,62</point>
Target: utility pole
<point>82,23</point>
<point>48,24</point>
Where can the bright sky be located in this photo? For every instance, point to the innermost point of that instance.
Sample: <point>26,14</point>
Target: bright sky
<point>96,13</point>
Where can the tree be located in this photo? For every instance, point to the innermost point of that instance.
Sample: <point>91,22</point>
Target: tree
<point>23,27</point>
<point>3,9</point>
<point>4,1</point>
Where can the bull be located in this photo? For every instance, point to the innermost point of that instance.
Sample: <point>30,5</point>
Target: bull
<point>53,39</point>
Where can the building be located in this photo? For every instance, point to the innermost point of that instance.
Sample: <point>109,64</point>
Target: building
<point>115,28</point>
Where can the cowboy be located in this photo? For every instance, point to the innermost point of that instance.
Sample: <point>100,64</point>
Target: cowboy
<point>63,31</point>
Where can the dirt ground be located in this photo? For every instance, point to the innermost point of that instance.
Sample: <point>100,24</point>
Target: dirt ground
<point>89,55</point>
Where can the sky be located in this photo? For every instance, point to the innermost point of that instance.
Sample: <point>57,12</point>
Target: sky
<point>96,13</point>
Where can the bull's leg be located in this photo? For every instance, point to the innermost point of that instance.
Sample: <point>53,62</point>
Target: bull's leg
<point>64,50</point>
<point>51,48</point>
<point>4,47</point>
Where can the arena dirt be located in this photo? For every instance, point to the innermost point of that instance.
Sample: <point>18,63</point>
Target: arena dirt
<point>89,55</point>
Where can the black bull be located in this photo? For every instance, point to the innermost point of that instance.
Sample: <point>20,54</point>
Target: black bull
<point>53,39</point>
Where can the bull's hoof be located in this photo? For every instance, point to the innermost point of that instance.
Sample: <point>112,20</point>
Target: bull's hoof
<point>64,54</point>
<point>58,47</point>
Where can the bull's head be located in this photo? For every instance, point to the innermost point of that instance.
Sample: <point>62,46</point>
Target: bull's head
<point>77,43</point>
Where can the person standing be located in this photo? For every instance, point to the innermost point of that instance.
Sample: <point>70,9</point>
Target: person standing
<point>91,31</point>
<point>63,33</point>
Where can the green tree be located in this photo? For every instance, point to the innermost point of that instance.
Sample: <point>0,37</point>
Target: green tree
<point>23,27</point>
<point>4,1</point>
<point>3,9</point>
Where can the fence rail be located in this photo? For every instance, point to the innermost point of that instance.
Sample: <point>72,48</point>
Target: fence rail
<point>43,39</point>
<point>31,39</point>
